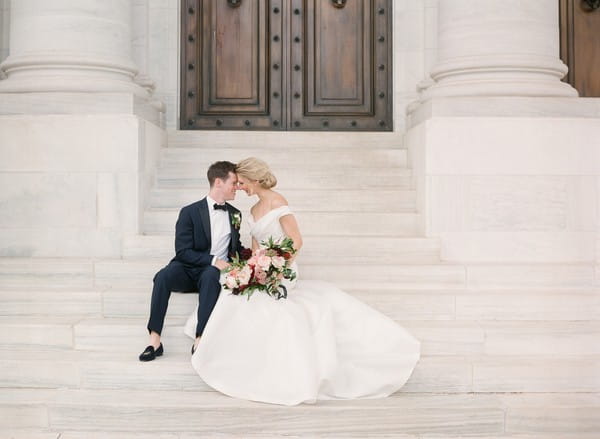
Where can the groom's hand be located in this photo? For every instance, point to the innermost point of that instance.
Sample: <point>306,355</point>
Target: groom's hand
<point>221,264</point>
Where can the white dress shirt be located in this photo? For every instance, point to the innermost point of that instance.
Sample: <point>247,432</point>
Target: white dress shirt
<point>220,231</point>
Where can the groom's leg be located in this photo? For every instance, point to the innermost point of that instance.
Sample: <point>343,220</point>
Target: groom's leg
<point>208,293</point>
<point>171,278</point>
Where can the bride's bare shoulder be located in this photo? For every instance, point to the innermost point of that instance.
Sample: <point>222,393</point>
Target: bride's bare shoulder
<point>278,200</point>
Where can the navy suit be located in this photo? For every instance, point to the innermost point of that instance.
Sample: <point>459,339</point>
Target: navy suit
<point>191,270</point>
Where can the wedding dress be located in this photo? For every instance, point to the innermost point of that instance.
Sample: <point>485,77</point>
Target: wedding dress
<point>319,343</point>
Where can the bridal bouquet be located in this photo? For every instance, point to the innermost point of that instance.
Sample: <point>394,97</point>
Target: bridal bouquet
<point>262,269</point>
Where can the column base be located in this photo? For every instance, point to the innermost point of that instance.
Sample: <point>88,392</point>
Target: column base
<point>38,103</point>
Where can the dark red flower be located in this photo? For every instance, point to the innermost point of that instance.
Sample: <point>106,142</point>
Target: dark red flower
<point>246,254</point>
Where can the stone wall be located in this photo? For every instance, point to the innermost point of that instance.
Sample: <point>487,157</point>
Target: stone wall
<point>79,148</point>
<point>510,180</point>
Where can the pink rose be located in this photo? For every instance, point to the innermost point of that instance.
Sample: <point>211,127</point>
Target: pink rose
<point>278,261</point>
<point>261,277</point>
<point>231,282</point>
<point>244,276</point>
<point>264,262</point>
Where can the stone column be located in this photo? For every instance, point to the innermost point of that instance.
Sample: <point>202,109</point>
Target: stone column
<point>70,46</point>
<point>498,48</point>
<point>79,136</point>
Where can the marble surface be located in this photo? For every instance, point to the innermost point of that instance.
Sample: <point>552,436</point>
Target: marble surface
<point>416,416</point>
<point>162,222</point>
<point>80,103</point>
<point>75,195</point>
<point>508,189</point>
<point>392,200</point>
<point>320,157</point>
<point>91,45</point>
<point>504,106</point>
<point>316,250</point>
<point>51,274</point>
<point>503,49</point>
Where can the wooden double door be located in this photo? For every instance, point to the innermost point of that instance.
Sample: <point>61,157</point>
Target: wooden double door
<point>580,44</point>
<point>286,65</point>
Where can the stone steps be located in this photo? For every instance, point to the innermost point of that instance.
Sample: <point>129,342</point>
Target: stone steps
<point>378,177</point>
<point>507,350</point>
<point>25,433</point>
<point>321,159</point>
<point>316,250</point>
<point>438,337</point>
<point>47,368</point>
<point>385,200</point>
<point>538,305</point>
<point>404,305</point>
<point>284,141</point>
<point>312,223</point>
<point>76,274</point>
<point>190,412</point>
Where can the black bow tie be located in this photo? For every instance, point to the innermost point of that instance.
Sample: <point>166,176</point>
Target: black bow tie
<point>219,207</point>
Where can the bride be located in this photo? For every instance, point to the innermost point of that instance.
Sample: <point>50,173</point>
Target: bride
<point>319,343</point>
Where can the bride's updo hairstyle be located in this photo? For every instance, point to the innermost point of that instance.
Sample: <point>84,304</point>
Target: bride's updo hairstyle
<point>256,170</point>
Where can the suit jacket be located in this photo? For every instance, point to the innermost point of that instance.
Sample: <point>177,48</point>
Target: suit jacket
<point>193,238</point>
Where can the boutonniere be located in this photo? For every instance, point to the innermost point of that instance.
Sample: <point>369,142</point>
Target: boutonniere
<point>236,220</point>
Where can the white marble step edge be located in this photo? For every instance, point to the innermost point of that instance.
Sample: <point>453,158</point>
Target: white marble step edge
<point>481,339</point>
<point>288,141</point>
<point>388,200</point>
<point>84,369</point>
<point>315,250</point>
<point>162,221</point>
<point>278,159</point>
<point>425,415</point>
<point>445,304</point>
<point>188,178</point>
<point>53,273</point>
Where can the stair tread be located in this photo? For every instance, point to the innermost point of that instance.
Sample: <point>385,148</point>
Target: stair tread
<point>198,400</point>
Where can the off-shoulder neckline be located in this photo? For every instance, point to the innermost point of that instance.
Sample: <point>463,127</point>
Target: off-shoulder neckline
<point>255,221</point>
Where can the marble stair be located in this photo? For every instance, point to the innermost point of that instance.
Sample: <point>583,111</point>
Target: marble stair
<point>508,351</point>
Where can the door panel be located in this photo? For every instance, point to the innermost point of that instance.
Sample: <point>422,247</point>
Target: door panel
<point>286,64</point>
<point>232,47</point>
<point>226,74</point>
<point>580,44</point>
<point>339,79</point>
<point>341,61</point>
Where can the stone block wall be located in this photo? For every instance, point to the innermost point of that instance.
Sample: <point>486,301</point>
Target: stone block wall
<point>73,185</point>
<point>516,182</point>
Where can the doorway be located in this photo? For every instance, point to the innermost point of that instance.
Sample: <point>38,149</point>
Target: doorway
<point>320,65</point>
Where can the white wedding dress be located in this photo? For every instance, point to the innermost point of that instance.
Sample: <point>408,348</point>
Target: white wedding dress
<point>319,343</point>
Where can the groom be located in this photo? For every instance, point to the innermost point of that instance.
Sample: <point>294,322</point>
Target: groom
<point>206,235</point>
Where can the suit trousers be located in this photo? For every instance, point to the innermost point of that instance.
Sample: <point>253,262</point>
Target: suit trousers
<point>177,277</point>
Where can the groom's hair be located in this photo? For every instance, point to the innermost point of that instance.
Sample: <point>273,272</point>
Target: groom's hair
<point>219,170</point>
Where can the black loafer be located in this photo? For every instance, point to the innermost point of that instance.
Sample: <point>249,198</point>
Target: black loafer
<point>150,353</point>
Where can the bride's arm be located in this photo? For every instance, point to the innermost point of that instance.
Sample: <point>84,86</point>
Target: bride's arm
<point>254,244</point>
<point>291,229</point>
